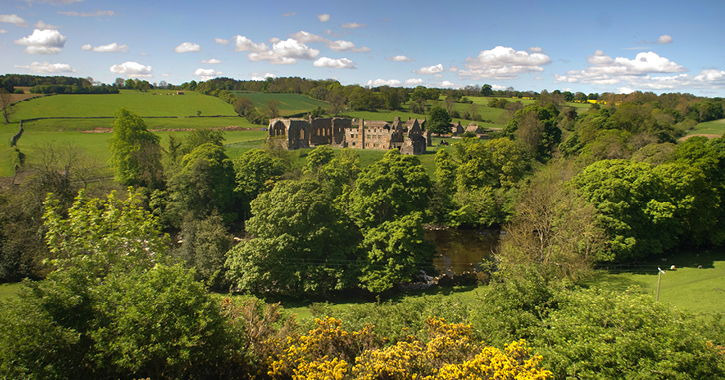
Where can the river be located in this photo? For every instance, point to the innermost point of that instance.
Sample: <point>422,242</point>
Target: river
<point>460,250</point>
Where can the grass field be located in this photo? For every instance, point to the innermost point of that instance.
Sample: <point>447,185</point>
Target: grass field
<point>290,103</point>
<point>152,103</point>
<point>687,287</point>
<point>715,127</point>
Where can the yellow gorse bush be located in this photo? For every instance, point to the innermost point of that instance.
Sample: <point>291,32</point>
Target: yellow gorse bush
<point>329,352</point>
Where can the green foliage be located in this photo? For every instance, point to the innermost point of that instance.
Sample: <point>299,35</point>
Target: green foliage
<point>395,252</point>
<point>439,120</point>
<point>394,186</point>
<point>255,172</point>
<point>301,243</point>
<point>136,151</point>
<point>340,173</point>
<point>204,185</point>
<point>317,158</point>
<point>602,334</point>
<point>204,244</point>
<point>536,128</point>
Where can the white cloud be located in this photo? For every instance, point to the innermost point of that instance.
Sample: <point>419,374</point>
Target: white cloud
<point>221,41</point>
<point>353,25</point>
<point>165,75</point>
<point>305,37</point>
<point>265,76</point>
<point>142,53</point>
<point>414,81</point>
<point>41,25</point>
<point>624,90</point>
<point>400,58</point>
<point>207,74</point>
<point>503,63</point>
<point>453,68</point>
<point>497,87</point>
<point>288,14</point>
<point>273,40</point>
<point>3,31</point>
<point>188,47</point>
<point>435,69</point>
<point>43,42</point>
<point>382,82</point>
<point>110,48</point>
<point>341,45</point>
<point>363,49</point>
<point>46,67</point>
<point>132,69</point>
<point>446,83</point>
<point>14,19</point>
<point>607,71</point>
<point>94,14</point>
<point>285,53</point>
<point>664,39</point>
<point>342,63</point>
<point>324,17</point>
<point>243,43</point>
<point>536,49</point>
<point>212,61</point>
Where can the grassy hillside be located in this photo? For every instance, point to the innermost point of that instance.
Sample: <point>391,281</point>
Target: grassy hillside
<point>715,127</point>
<point>152,103</point>
<point>290,103</point>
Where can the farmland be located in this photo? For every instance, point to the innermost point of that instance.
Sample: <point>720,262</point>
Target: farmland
<point>290,104</point>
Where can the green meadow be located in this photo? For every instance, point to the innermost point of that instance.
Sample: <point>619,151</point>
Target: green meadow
<point>290,104</point>
<point>714,127</point>
<point>151,103</point>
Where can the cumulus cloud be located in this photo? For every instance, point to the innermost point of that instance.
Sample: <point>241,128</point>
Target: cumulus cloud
<point>607,71</point>
<point>285,53</point>
<point>664,39</point>
<point>624,90</point>
<point>288,14</point>
<point>306,37</point>
<point>132,69</point>
<point>43,42</point>
<point>207,74</point>
<point>324,17</point>
<point>414,81</point>
<point>46,67</point>
<point>94,14</point>
<point>363,49</point>
<point>243,43</point>
<point>341,45</point>
<point>41,25</point>
<point>435,69</point>
<point>536,49</point>
<point>353,25</point>
<point>342,63</point>
<point>110,48</point>
<point>188,47</point>
<point>14,19</point>
<point>503,63</point>
<point>221,41</point>
<point>446,83</point>
<point>400,58</point>
<point>382,82</point>
<point>211,61</point>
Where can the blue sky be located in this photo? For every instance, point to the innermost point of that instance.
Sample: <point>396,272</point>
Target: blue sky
<point>605,46</point>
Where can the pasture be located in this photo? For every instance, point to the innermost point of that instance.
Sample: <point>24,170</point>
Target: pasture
<point>714,128</point>
<point>290,104</point>
<point>151,103</point>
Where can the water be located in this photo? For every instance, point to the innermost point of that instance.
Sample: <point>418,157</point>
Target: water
<point>460,250</point>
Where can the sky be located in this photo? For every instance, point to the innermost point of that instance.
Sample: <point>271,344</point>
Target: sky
<point>587,46</point>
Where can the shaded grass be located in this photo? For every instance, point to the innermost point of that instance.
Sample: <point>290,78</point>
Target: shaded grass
<point>9,290</point>
<point>290,103</point>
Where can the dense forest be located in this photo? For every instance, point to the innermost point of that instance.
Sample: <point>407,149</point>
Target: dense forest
<point>109,294</point>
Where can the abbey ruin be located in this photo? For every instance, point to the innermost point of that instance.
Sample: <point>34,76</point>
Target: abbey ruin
<point>409,137</point>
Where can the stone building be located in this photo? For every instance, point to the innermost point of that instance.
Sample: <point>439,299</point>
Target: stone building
<point>293,134</point>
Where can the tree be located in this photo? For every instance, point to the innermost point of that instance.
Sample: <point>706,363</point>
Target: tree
<point>129,84</point>
<point>486,90</point>
<point>319,157</point>
<point>205,185</point>
<point>243,105</point>
<point>118,83</point>
<point>204,246</point>
<point>273,108</point>
<point>301,243</point>
<point>135,151</point>
<point>440,120</point>
<point>255,172</point>
<point>6,103</point>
